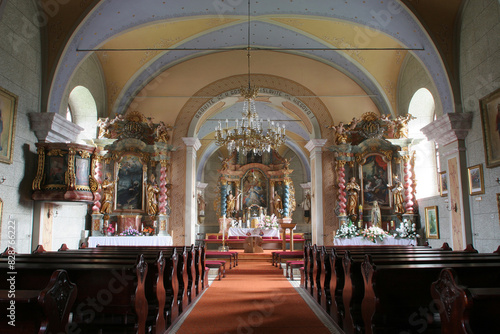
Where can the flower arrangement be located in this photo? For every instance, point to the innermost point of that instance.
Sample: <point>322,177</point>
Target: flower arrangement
<point>347,230</point>
<point>373,233</point>
<point>110,230</point>
<point>148,230</point>
<point>130,232</point>
<point>269,223</point>
<point>407,230</point>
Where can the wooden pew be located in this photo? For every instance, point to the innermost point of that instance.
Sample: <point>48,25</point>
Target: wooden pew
<point>466,309</point>
<point>35,311</point>
<point>106,289</point>
<point>396,290</point>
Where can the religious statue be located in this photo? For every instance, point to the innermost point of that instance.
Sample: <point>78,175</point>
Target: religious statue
<point>231,203</point>
<point>278,205</point>
<point>161,133</point>
<point>376,216</point>
<point>340,133</point>
<point>306,205</point>
<point>152,192</point>
<point>397,193</point>
<point>352,189</point>
<point>401,126</point>
<point>107,196</point>
<point>201,205</point>
<point>104,125</point>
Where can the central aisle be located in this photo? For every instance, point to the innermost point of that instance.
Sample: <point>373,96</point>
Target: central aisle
<point>254,297</point>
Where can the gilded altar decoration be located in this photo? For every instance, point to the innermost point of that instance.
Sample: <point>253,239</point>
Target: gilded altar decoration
<point>373,153</point>
<point>251,187</point>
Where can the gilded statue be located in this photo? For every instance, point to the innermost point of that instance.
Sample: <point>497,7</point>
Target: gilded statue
<point>152,193</point>
<point>397,193</point>
<point>401,126</point>
<point>278,205</point>
<point>161,133</point>
<point>352,189</point>
<point>201,205</point>
<point>231,203</point>
<point>107,196</point>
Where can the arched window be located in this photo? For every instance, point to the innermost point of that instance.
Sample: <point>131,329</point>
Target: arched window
<point>83,110</point>
<point>69,116</point>
<point>422,106</point>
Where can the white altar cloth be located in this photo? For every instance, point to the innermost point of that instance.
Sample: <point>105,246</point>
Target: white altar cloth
<point>254,232</point>
<point>359,241</point>
<point>131,241</point>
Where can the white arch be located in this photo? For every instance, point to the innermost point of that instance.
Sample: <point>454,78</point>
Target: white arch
<point>422,106</point>
<point>84,112</point>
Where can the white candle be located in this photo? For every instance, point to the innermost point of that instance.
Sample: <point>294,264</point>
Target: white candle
<point>142,227</point>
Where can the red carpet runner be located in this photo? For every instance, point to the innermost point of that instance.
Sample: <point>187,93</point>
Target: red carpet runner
<point>254,297</point>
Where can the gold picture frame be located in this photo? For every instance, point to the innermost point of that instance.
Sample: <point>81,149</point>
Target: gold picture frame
<point>443,184</point>
<point>431,222</point>
<point>490,116</point>
<point>476,180</point>
<point>8,110</point>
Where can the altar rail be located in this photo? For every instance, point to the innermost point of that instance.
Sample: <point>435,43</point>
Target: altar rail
<point>237,242</point>
<point>385,288</point>
<point>131,288</point>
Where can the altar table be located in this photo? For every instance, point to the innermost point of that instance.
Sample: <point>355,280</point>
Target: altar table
<point>360,241</point>
<point>131,241</point>
<point>252,232</point>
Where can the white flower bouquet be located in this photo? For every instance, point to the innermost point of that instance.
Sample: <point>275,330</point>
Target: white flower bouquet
<point>347,230</point>
<point>407,230</point>
<point>130,232</point>
<point>373,233</point>
<point>269,223</point>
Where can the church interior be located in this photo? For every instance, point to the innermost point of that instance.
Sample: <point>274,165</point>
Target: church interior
<point>183,119</point>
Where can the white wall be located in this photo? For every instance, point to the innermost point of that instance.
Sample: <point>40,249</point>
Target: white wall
<point>479,76</point>
<point>20,73</point>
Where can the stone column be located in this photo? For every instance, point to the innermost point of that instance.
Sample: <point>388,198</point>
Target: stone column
<point>314,146</point>
<point>450,132</point>
<point>192,145</point>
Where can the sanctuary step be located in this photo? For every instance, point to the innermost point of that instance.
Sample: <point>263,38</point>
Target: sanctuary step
<point>249,257</point>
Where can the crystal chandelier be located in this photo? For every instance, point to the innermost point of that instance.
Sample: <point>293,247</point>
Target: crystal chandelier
<point>248,133</point>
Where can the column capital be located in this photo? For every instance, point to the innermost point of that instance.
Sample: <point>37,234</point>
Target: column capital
<point>315,143</point>
<point>192,142</point>
<point>449,128</point>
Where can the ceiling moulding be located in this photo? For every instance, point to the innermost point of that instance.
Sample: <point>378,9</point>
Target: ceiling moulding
<point>449,128</point>
<point>53,128</point>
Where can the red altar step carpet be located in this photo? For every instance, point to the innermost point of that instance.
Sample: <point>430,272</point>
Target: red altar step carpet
<point>254,297</point>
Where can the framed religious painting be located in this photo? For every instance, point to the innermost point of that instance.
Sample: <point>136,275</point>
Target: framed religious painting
<point>130,184</point>
<point>431,222</point>
<point>376,173</point>
<point>443,184</point>
<point>490,117</point>
<point>476,180</point>
<point>8,109</point>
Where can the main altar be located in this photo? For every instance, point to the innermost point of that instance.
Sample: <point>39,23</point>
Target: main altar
<point>253,187</point>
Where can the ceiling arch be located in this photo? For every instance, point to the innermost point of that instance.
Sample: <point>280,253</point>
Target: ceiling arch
<point>301,27</point>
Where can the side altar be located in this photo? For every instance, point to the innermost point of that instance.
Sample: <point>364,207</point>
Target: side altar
<point>252,187</point>
<point>374,171</point>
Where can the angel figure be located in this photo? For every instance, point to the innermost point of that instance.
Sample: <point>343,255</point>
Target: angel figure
<point>104,124</point>
<point>161,133</point>
<point>340,133</point>
<point>401,126</point>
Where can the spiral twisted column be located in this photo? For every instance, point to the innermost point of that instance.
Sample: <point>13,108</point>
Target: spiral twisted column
<point>163,189</point>
<point>341,184</point>
<point>408,185</point>
<point>97,194</point>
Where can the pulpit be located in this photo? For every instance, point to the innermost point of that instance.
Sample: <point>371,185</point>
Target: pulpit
<point>284,227</point>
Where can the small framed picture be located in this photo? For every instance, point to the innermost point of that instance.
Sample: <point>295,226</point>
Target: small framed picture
<point>490,115</point>
<point>443,184</point>
<point>431,222</point>
<point>498,206</point>
<point>476,180</point>
<point>8,109</point>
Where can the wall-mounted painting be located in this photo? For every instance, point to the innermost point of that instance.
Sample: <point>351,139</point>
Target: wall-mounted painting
<point>443,184</point>
<point>130,184</point>
<point>8,109</point>
<point>476,180</point>
<point>431,222</point>
<point>490,117</point>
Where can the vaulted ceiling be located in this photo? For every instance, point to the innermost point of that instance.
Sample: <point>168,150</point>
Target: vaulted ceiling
<point>315,61</point>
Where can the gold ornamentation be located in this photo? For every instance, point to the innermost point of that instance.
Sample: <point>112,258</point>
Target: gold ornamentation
<point>37,182</point>
<point>55,152</point>
<point>70,173</point>
<point>85,154</point>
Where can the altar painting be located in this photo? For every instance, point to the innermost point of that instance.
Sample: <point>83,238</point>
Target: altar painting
<point>129,188</point>
<point>375,173</point>
<point>254,186</point>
